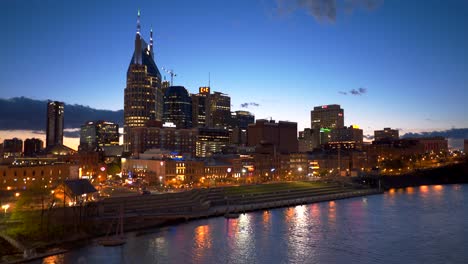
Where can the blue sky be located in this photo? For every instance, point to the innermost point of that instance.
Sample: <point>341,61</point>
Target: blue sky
<point>411,56</point>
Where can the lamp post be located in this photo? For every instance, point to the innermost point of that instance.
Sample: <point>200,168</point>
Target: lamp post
<point>5,207</point>
<point>300,172</point>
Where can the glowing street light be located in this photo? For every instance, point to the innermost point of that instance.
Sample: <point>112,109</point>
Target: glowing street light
<point>5,207</point>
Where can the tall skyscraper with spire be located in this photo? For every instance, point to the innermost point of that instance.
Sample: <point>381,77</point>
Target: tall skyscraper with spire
<point>143,99</point>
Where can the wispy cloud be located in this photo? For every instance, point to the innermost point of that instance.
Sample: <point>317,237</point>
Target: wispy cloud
<point>246,105</point>
<point>359,91</point>
<point>324,10</point>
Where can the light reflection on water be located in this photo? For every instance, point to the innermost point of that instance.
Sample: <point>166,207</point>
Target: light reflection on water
<point>424,224</point>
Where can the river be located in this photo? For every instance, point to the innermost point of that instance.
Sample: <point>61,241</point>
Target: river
<point>427,224</point>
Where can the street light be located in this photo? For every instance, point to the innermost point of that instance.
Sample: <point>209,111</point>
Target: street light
<point>5,207</point>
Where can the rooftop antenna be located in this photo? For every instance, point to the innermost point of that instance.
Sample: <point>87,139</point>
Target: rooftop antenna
<point>151,39</point>
<point>138,22</point>
<point>172,73</point>
<point>209,79</point>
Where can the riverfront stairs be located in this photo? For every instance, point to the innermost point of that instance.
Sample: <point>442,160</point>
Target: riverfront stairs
<point>202,202</point>
<point>161,204</point>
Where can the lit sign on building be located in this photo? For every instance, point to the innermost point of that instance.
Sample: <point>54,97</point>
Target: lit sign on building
<point>169,124</point>
<point>204,90</point>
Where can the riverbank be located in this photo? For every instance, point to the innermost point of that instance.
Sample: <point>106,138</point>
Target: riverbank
<point>451,174</point>
<point>145,212</point>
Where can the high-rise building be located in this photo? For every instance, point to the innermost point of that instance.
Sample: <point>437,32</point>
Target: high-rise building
<point>387,134</point>
<point>306,140</point>
<point>201,110</point>
<point>282,135</point>
<point>155,136</point>
<point>32,147</point>
<point>240,121</point>
<point>164,85</point>
<point>346,138</point>
<point>98,134</point>
<point>178,107</point>
<point>220,105</point>
<point>324,119</point>
<point>210,141</point>
<point>327,116</point>
<point>55,111</point>
<point>12,148</point>
<point>143,99</point>
<point>465,146</point>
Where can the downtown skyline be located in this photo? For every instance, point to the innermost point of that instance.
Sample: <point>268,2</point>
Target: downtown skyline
<point>255,53</point>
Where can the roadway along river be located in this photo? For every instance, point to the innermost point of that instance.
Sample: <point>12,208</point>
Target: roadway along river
<point>427,224</point>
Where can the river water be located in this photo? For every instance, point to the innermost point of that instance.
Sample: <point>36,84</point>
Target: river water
<point>427,224</point>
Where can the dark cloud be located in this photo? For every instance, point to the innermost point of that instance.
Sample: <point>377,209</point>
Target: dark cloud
<point>359,91</point>
<point>369,137</point>
<point>455,136</point>
<point>454,133</point>
<point>29,114</point>
<point>324,10</point>
<point>246,105</point>
<point>72,134</point>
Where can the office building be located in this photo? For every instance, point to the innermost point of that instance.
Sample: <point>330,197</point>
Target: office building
<point>346,138</point>
<point>211,141</point>
<point>324,119</point>
<point>54,133</point>
<point>177,107</point>
<point>386,135</point>
<point>306,140</point>
<point>220,107</point>
<point>155,136</point>
<point>12,148</point>
<point>282,135</point>
<point>327,116</point>
<point>26,173</point>
<point>97,134</point>
<point>240,121</point>
<point>32,147</point>
<point>143,100</point>
<point>201,110</point>
<point>164,85</point>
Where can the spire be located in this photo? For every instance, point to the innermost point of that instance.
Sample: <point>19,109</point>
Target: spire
<point>138,22</point>
<point>137,53</point>
<point>151,39</point>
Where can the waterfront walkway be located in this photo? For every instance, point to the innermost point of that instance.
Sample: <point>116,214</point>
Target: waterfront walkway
<point>146,210</point>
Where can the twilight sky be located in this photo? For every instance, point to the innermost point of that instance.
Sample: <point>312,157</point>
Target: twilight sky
<point>410,57</point>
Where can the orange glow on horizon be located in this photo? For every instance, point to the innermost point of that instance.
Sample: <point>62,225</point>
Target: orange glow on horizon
<point>24,134</point>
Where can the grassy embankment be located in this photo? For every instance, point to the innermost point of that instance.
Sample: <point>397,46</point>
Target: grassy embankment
<point>260,189</point>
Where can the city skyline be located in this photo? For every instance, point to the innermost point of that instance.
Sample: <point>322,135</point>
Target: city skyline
<point>363,83</point>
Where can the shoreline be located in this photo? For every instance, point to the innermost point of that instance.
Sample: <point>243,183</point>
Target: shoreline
<point>145,223</point>
<point>61,247</point>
